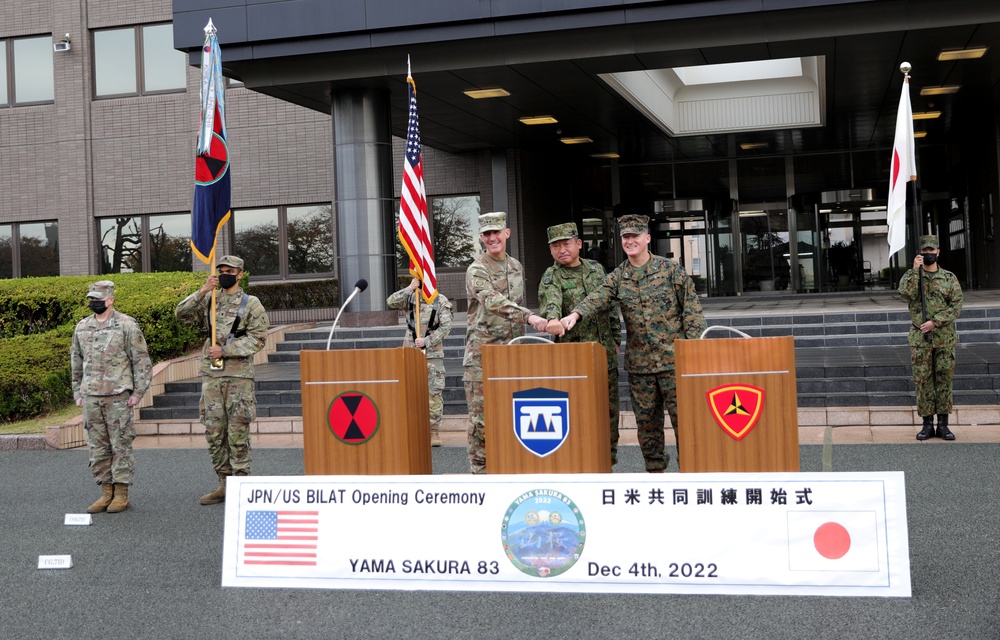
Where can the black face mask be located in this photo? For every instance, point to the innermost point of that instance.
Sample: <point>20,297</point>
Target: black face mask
<point>929,258</point>
<point>98,306</point>
<point>227,280</point>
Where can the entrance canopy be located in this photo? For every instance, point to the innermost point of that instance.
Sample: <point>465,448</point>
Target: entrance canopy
<point>555,62</point>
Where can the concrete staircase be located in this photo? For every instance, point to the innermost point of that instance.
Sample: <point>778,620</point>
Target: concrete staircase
<point>842,360</point>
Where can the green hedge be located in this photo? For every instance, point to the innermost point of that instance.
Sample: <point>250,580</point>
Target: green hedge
<point>38,315</point>
<point>35,374</point>
<point>37,318</point>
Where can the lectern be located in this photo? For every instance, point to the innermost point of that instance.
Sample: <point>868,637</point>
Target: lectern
<point>365,412</point>
<point>546,408</point>
<point>736,405</point>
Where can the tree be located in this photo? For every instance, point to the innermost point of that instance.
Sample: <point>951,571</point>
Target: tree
<point>310,242</point>
<point>126,248</point>
<point>258,246</point>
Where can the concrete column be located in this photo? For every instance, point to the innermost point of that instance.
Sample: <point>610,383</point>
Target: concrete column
<point>363,203</point>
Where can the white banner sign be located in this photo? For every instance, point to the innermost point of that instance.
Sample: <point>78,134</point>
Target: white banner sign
<point>831,534</point>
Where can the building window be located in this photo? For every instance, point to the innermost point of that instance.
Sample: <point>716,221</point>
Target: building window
<point>455,227</point>
<point>26,74</point>
<point>138,61</point>
<point>310,240</point>
<point>283,242</point>
<point>29,249</point>
<point>146,243</point>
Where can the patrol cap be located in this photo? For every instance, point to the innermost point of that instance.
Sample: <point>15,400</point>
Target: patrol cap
<point>101,290</point>
<point>230,261</point>
<point>563,231</point>
<point>633,224</point>
<point>929,241</point>
<point>492,221</point>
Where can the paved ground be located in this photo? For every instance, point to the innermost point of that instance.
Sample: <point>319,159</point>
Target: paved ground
<point>154,571</point>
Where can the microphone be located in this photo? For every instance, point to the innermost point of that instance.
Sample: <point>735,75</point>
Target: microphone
<point>359,286</point>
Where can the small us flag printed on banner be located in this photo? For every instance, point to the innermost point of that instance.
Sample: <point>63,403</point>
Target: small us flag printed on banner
<point>281,538</point>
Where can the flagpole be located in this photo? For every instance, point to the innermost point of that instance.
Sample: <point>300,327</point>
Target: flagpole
<point>911,188</point>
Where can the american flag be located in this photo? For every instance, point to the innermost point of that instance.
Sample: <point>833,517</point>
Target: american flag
<point>281,538</point>
<point>414,230</point>
<point>903,168</point>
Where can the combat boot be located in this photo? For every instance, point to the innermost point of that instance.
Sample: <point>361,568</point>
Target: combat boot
<point>107,495</point>
<point>928,430</point>
<point>120,503</point>
<point>217,496</point>
<point>943,431</point>
<point>435,438</point>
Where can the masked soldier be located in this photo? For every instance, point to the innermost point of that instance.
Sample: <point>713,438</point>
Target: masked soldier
<point>435,324</point>
<point>935,302</point>
<point>564,285</point>
<point>659,304</point>
<point>228,404</point>
<point>111,371</point>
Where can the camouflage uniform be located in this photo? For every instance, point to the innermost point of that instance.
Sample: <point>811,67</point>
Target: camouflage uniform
<point>496,316</point>
<point>439,312</point>
<point>110,363</point>
<point>933,353</point>
<point>659,304</point>
<point>228,404</point>
<point>561,289</point>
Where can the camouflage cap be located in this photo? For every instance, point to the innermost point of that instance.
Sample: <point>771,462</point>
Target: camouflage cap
<point>492,221</point>
<point>633,224</point>
<point>101,290</point>
<point>230,261</point>
<point>929,241</point>
<point>563,231</point>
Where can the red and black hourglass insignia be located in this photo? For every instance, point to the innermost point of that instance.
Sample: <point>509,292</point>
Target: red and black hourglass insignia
<point>353,417</point>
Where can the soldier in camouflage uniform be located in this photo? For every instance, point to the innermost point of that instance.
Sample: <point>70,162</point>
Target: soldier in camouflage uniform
<point>111,372</point>
<point>228,404</point>
<point>564,285</point>
<point>932,335</point>
<point>494,283</point>
<point>435,324</point>
<point>659,303</point>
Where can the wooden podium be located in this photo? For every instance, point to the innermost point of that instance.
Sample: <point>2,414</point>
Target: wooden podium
<point>560,394</point>
<point>736,404</point>
<point>365,412</point>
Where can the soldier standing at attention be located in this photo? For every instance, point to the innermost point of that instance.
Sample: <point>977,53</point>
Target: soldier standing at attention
<point>494,283</point>
<point>111,372</point>
<point>935,301</point>
<point>564,285</point>
<point>435,325</point>
<point>228,404</point>
<point>659,303</point>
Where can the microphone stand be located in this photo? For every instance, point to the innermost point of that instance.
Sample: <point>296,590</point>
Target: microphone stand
<point>358,288</point>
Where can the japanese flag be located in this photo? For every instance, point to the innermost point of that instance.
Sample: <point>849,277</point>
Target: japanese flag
<point>833,541</point>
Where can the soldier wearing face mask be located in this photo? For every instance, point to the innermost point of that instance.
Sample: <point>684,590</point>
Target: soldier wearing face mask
<point>935,302</point>
<point>111,371</point>
<point>228,404</point>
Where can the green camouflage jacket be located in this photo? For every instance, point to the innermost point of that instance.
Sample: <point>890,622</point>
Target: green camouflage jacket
<point>943,298</point>
<point>659,303</point>
<point>497,313</point>
<point>238,354</point>
<point>404,299</point>
<point>107,358</point>
<point>562,288</point>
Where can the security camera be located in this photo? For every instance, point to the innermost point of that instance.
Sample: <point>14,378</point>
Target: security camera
<point>61,45</point>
